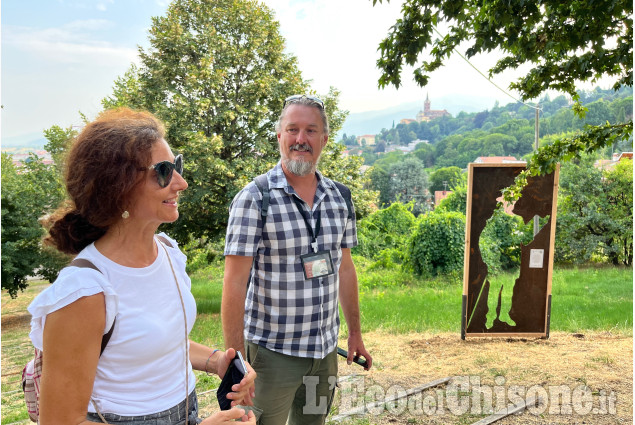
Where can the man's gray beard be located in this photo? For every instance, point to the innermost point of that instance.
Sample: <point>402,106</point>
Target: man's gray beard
<point>299,168</point>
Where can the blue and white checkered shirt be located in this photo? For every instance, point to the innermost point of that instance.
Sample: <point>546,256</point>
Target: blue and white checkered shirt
<point>285,312</point>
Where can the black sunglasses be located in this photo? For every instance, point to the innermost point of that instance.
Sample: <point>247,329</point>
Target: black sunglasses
<point>165,169</point>
<point>293,98</point>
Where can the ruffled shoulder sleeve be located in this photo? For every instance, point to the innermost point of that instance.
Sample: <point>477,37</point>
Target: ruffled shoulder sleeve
<point>72,284</point>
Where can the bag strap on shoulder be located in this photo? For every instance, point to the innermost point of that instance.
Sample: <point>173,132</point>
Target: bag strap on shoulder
<point>346,193</point>
<point>84,263</point>
<point>165,241</point>
<point>87,264</point>
<point>263,186</point>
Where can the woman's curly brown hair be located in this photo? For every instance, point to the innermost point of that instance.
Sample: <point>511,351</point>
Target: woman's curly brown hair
<point>104,166</point>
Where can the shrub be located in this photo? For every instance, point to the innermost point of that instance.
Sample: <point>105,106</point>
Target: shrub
<point>386,229</point>
<point>202,252</point>
<point>455,201</point>
<point>387,259</point>
<point>437,244</point>
<point>501,239</point>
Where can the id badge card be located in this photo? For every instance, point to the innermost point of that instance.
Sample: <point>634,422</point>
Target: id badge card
<point>317,264</point>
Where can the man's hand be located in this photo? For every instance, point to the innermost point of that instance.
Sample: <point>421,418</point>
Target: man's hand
<point>356,348</point>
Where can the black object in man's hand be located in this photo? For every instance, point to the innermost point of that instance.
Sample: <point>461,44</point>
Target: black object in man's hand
<point>360,361</point>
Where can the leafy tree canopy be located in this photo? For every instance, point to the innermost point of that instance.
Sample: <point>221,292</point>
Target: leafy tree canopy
<point>595,212</point>
<point>217,75</point>
<point>563,42</point>
<point>28,192</point>
<point>409,182</point>
<point>445,178</point>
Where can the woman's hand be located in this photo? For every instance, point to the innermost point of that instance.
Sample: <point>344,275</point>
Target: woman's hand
<point>229,416</point>
<point>243,392</point>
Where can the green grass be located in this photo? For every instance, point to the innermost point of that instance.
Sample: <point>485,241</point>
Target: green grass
<point>207,288</point>
<point>582,299</point>
<point>592,298</point>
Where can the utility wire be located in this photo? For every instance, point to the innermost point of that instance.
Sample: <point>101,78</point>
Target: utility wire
<point>485,76</point>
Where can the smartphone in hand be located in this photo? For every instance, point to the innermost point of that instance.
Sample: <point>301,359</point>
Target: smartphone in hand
<point>239,362</point>
<point>234,374</point>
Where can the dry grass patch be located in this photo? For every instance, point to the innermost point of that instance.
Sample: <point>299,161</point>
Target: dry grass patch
<point>600,360</point>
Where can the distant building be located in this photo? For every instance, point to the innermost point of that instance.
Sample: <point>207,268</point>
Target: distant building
<point>609,164</point>
<point>18,159</point>
<point>392,148</point>
<point>440,195</point>
<point>496,160</point>
<point>370,139</point>
<point>429,114</point>
<point>351,151</point>
<point>406,149</point>
<point>406,121</point>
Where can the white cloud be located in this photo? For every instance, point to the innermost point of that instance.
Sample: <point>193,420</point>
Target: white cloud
<point>70,43</point>
<point>103,5</point>
<point>86,25</point>
<point>49,74</point>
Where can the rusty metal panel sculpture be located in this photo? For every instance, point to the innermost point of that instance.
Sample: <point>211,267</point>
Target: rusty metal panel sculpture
<point>531,298</point>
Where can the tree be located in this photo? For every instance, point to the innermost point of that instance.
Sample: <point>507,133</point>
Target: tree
<point>380,147</point>
<point>599,112</point>
<point>217,75</point>
<point>58,143</point>
<point>409,182</point>
<point>28,192</point>
<point>562,43</point>
<point>479,119</point>
<point>445,178</point>
<point>426,154</point>
<point>349,140</point>
<point>595,213</point>
<point>619,190</point>
<point>380,182</point>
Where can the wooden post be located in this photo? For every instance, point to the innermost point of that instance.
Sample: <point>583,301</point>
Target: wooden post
<point>536,146</point>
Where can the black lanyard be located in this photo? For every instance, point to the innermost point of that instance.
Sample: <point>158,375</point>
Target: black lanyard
<point>314,234</point>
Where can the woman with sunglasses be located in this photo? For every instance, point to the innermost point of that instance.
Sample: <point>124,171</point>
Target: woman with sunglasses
<point>123,182</point>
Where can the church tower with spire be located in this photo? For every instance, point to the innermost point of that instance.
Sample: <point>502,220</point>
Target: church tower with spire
<point>428,114</point>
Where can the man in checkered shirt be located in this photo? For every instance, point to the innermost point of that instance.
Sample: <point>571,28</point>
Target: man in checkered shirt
<point>284,314</point>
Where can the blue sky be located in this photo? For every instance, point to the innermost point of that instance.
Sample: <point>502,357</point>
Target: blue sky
<point>60,57</point>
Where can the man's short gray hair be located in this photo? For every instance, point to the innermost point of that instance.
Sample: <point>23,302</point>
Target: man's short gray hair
<point>306,102</point>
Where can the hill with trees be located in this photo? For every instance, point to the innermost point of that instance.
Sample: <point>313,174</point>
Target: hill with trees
<point>501,131</point>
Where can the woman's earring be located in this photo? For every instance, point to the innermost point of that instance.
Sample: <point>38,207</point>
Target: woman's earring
<point>125,214</point>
